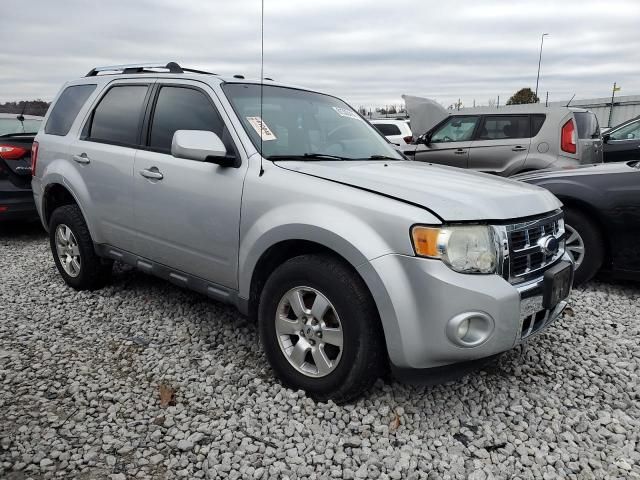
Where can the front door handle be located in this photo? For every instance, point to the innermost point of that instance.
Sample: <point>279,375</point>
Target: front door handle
<point>518,149</point>
<point>82,158</point>
<point>152,173</point>
<point>460,151</point>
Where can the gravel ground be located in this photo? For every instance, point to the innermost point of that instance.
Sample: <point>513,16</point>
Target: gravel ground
<point>85,378</point>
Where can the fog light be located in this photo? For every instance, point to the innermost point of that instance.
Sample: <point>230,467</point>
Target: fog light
<point>463,328</point>
<point>470,329</point>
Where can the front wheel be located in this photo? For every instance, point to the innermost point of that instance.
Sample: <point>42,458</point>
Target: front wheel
<point>320,328</point>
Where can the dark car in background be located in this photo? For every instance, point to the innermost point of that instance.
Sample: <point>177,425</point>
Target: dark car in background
<point>602,216</point>
<point>16,139</point>
<point>622,142</point>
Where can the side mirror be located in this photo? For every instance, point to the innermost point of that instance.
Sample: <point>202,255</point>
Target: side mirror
<point>605,138</point>
<point>202,146</point>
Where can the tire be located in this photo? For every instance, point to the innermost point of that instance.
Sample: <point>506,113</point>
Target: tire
<point>362,357</point>
<point>583,233</point>
<point>87,271</point>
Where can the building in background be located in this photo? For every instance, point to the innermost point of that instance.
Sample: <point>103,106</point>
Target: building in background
<point>624,108</point>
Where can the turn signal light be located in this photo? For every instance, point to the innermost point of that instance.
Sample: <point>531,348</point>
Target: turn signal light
<point>425,241</point>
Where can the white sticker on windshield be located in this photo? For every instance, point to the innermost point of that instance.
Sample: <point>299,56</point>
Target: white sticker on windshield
<point>261,128</point>
<point>345,112</point>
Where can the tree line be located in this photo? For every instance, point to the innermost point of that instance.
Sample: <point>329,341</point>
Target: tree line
<point>25,107</point>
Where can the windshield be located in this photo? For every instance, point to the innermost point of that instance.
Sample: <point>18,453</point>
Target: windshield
<point>305,125</point>
<point>13,125</point>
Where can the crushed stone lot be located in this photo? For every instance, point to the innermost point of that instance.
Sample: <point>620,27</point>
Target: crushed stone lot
<point>145,380</point>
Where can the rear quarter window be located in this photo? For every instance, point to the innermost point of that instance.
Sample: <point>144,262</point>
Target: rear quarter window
<point>537,120</point>
<point>66,109</point>
<point>587,124</point>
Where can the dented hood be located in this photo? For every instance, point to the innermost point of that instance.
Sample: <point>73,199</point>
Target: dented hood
<point>424,113</point>
<point>450,193</point>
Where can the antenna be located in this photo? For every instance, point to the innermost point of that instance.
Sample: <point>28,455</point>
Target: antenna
<point>570,100</point>
<point>20,116</point>
<point>261,80</point>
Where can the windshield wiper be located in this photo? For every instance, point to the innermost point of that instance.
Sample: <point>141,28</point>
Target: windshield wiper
<point>381,157</point>
<point>308,156</point>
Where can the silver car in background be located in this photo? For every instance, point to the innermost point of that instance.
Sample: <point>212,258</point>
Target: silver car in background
<point>509,140</point>
<point>289,205</point>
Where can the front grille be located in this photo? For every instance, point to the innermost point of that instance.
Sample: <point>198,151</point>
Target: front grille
<point>527,257</point>
<point>534,323</point>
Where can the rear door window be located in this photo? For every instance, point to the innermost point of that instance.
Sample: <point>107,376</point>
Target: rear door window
<point>118,116</point>
<point>499,127</point>
<point>455,129</point>
<point>183,108</point>
<point>587,124</point>
<point>66,109</point>
<point>387,128</point>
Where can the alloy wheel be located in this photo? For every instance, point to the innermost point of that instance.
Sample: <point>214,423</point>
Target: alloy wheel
<point>309,331</point>
<point>574,245</point>
<point>68,250</point>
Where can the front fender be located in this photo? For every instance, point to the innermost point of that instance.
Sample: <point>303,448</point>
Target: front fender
<point>351,237</point>
<point>565,188</point>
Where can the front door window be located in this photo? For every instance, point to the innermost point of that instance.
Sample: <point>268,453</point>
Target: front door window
<point>455,129</point>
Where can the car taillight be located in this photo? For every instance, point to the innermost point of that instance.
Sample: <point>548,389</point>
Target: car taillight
<point>34,157</point>
<point>408,139</point>
<point>568,137</point>
<point>9,152</point>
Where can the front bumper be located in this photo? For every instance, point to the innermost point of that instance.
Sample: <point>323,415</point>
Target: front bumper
<point>418,297</point>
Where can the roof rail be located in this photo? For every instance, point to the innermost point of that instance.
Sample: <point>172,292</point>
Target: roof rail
<point>172,67</point>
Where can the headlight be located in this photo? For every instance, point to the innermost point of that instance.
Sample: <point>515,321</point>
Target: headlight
<point>466,249</point>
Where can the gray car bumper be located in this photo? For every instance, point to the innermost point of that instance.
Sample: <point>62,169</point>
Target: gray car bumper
<point>420,299</point>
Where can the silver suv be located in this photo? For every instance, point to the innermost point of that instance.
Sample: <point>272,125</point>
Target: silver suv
<point>510,140</point>
<point>289,205</point>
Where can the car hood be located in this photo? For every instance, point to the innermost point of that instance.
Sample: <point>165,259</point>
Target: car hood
<point>424,113</point>
<point>578,171</point>
<point>450,193</point>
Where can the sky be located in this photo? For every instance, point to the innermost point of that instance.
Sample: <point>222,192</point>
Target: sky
<point>366,52</point>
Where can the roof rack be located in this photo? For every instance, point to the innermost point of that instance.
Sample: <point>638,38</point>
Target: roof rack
<point>171,67</point>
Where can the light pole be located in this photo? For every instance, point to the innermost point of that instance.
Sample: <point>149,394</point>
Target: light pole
<point>540,61</point>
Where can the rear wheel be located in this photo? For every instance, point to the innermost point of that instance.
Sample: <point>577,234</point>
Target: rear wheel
<point>73,252</point>
<point>584,244</point>
<point>320,329</point>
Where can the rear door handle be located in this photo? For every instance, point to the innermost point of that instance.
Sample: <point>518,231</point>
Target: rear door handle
<point>460,151</point>
<point>518,149</point>
<point>82,158</point>
<point>152,174</point>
